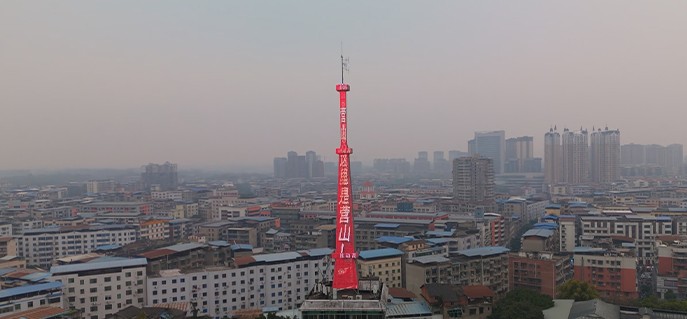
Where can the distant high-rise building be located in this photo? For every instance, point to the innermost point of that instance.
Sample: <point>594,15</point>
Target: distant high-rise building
<point>553,169</point>
<point>520,156</point>
<point>473,182</point>
<point>439,164</point>
<point>161,177</point>
<point>422,164</point>
<point>674,160</point>
<point>575,156</point>
<point>280,164</point>
<point>299,166</point>
<point>632,154</point>
<point>456,154</point>
<point>491,145</point>
<point>605,156</point>
<point>391,165</point>
<point>652,160</point>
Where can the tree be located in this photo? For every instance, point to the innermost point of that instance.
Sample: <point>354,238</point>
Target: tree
<point>577,290</point>
<point>523,304</point>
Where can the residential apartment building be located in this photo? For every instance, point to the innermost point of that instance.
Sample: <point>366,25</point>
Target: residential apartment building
<point>614,274</point>
<point>116,207</point>
<point>672,267</point>
<point>596,231</point>
<point>428,269</point>
<point>154,229</point>
<point>30,297</point>
<point>490,145</point>
<point>369,229</point>
<point>574,156</point>
<point>605,156</point>
<point>473,183</point>
<point>540,271</point>
<point>486,266</point>
<point>385,264</point>
<point>41,246</point>
<point>102,286</point>
<point>276,281</point>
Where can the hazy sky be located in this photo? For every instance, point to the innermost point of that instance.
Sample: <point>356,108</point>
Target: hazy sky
<point>234,84</point>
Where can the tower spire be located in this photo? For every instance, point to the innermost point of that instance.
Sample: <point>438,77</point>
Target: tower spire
<point>345,256</point>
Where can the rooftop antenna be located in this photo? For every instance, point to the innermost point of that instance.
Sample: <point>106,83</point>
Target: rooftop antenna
<point>344,64</point>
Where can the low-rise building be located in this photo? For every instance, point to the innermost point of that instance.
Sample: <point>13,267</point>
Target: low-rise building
<point>384,264</point>
<point>452,301</point>
<point>277,281</point>
<point>30,297</point>
<point>41,246</point>
<point>102,286</point>
<point>539,271</point>
<point>484,266</point>
<point>613,273</point>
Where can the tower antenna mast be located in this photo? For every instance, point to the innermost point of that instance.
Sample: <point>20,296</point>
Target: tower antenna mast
<point>345,256</point>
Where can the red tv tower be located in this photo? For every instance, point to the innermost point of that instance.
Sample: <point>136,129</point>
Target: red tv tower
<point>345,271</point>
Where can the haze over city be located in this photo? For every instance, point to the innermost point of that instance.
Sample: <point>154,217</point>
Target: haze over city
<point>234,84</point>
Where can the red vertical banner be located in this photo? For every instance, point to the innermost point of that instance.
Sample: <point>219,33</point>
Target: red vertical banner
<point>345,256</point>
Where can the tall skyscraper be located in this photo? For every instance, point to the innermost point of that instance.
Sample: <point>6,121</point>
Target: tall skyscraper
<point>674,160</point>
<point>455,154</point>
<point>439,164</point>
<point>422,165</point>
<point>490,145</point>
<point>299,166</point>
<point>473,182</point>
<point>575,156</point>
<point>160,177</point>
<point>632,154</point>
<point>280,164</point>
<point>553,169</point>
<point>605,156</point>
<point>652,160</point>
<point>520,156</point>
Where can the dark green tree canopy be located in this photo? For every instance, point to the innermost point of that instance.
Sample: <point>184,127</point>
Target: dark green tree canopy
<point>577,290</point>
<point>522,303</point>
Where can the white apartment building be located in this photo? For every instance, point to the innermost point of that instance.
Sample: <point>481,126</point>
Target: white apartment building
<point>640,228</point>
<point>278,281</point>
<point>154,229</point>
<point>167,195</point>
<point>5,230</point>
<point>30,297</point>
<point>566,233</point>
<point>41,246</point>
<point>103,286</point>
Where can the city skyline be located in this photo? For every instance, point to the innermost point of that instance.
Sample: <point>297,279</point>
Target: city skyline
<point>232,85</point>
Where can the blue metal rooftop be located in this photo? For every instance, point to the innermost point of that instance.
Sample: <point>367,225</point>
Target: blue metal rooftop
<point>539,232</point>
<point>394,239</point>
<point>431,259</point>
<point>316,252</point>
<point>584,249</point>
<point>546,225</point>
<point>241,247</point>
<point>484,251</point>
<point>11,292</point>
<point>108,247</point>
<point>37,276</point>
<point>219,243</point>
<point>380,253</point>
<point>408,309</point>
<point>439,241</point>
<point>276,257</point>
<point>387,225</point>
<point>439,233</point>
<point>99,265</point>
